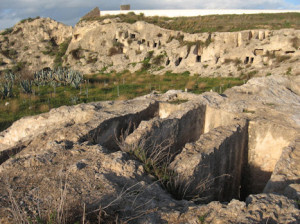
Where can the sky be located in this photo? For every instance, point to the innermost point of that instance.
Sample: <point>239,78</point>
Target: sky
<point>70,11</point>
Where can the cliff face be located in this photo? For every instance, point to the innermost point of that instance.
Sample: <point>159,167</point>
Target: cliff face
<point>138,159</point>
<point>121,46</point>
<point>32,44</point>
<point>111,45</point>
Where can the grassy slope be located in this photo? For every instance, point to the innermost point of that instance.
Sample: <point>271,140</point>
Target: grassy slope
<point>104,86</point>
<point>217,23</point>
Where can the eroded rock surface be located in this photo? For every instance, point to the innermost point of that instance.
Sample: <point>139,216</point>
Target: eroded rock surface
<point>241,147</point>
<point>111,45</point>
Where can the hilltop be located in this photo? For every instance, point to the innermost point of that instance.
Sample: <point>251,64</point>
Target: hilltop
<point>157,44</point>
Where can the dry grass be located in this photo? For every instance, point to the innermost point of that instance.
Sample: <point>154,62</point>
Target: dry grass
<point>56,213</point>
<point>14,105</point>
<point>122,97</point>
<point>220,23</point>
<point>44,108</point>
<point>202,85</point>
<point>157,157</point>
<point>190,84</point>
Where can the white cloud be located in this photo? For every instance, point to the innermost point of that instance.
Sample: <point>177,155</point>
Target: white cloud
<point>69,11</point>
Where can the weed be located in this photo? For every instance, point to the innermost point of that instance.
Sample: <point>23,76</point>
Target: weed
<point>202,218</point>
<point>289,71</point>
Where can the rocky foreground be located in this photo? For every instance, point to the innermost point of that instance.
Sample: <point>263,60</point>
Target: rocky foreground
<point>232,158</point>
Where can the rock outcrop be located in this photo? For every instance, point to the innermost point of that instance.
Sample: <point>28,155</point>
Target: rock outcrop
<point>208,54</point>
<point>111,45</point>
<point>234,158</point>
<point>30,44</point>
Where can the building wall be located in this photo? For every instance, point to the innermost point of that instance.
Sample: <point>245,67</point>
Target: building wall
<point>194,12</point>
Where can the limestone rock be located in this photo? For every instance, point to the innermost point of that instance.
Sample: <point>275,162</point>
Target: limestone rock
<point>31,43</point>
<point>243,140</point>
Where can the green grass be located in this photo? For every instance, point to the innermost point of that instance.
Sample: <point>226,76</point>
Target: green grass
<point>214,23</point>
<point>103,86</point>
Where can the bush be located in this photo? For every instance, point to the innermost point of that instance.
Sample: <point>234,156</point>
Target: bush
<point>236,61</point>
<point>113,51</point>
<point>7,31</point>
<point>29,19</point>
<point>157,60</point>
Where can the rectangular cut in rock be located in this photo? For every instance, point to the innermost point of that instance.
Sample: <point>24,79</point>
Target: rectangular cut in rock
<point>243,37</point>
<point>258,52</point>
<point>266,142</point>
<point>217,160</point>
<point>216,117</point>
<point>177,124</point>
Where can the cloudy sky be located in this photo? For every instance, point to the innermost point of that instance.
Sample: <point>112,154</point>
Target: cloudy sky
<point>69,11</point>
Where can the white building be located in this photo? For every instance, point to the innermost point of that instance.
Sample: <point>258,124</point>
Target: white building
<point>195,12</point>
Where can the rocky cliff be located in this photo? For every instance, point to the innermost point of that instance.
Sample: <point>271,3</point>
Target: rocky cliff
<point>113,45</point>
<point>174,157</point>
<point>32,44</point>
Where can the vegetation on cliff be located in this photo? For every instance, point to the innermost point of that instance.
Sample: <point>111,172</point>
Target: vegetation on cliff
<point>215,23</point>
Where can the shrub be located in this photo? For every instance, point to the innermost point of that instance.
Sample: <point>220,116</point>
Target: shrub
<point>113,51</point>
<point>7,31</point>
<point>236,61</point>
<point>157,60</point>
<point>29,19</point>
<point>18,67</point>
<point>60,53</point>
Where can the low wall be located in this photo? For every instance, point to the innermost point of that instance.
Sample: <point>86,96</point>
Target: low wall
<point>194,12</point>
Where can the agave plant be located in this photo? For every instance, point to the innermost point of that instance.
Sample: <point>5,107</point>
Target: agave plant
<point>10,77</point>
<point>60,76</point>
<point>26,86</point>
<point>6,90</point>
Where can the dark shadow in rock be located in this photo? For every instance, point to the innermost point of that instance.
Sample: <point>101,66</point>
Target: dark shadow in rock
<point>109,131</point>
<point>280,187</point>
<point>255,180</point>
<point>66,144</point>
<point>11,152</point>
